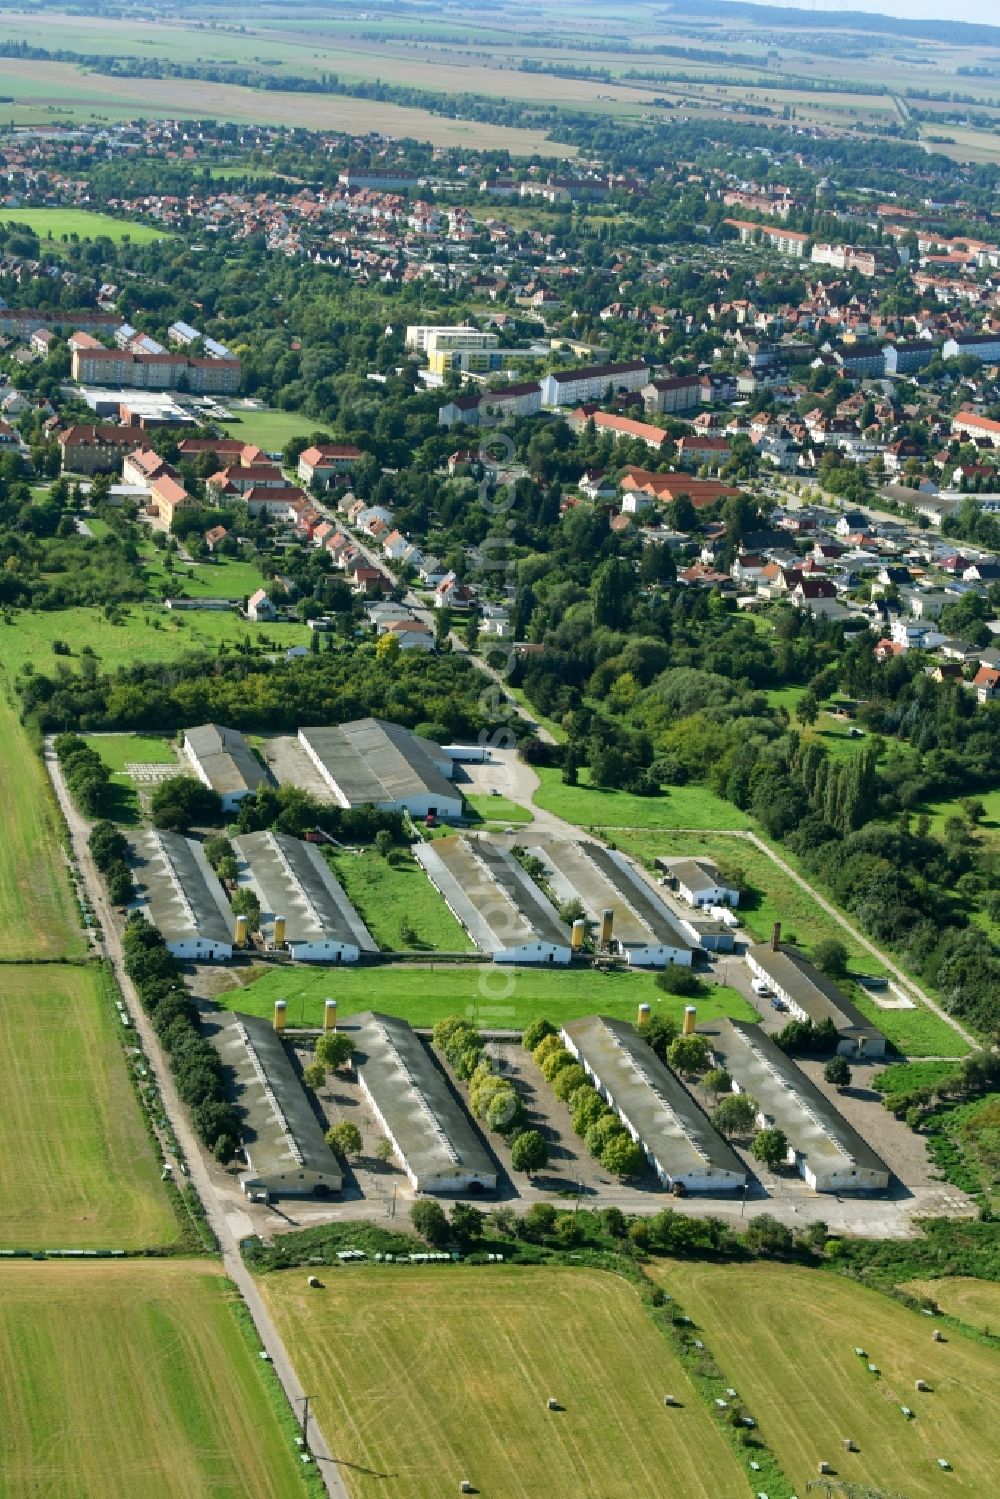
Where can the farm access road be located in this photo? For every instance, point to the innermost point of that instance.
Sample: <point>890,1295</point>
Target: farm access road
<point>110,946</point>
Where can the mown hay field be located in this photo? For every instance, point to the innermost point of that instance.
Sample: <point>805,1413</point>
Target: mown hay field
<point>76,1164</point>
<point>785,1336</point>
<point>426,1376</point>
<point>37,914</point>
<point>135,1378</point>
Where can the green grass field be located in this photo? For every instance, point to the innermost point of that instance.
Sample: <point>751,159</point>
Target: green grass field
<point>975,1302</point>
<point>988,828</point>
<point>498,996</point>
<point>268,428</point>
<point>433,1375</point>
<point>227,578</point>
<point>38,918</point>
<point>786,1336</point>
<point>121,1379</point>
<point>77,1166</point>
<point>119,750</point>
<point>499,809</point>
<point>147,632</point>
<point>679,807</point>
<point>54,223</point>
<point>900,1077</point>
<point>388,896</point>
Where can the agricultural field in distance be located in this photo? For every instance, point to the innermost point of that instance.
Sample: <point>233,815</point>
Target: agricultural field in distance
<point>785,1336</point>
<point>55,223</point>
<point>137,1377</point>
<point>38,917</point>
<point>77,1166</point>
<point>975,1302</point>
<point>147,632</point>
<point>57,91</point>
<point>442,1373</point>
<point>498,996</point>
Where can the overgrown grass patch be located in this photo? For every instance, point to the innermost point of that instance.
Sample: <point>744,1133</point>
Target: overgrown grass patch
<point>676,807</point>
<point>399,905</point>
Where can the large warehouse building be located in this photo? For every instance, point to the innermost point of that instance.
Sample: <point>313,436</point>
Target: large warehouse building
<point>430,1132</point>
<point>291,879</point>
<point>655,1108</point>
<point>181,896</point>
<point>810,995</point>
<point>827,1151</point>
<point>371,762</point>
<point>223,761</point>
<point>500,907</point>
<point>286,1153</point>
<point>642,926</point>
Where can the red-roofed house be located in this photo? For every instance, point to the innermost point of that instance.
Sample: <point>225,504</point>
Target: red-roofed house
<point>329,462</point>
<point>987,683</point>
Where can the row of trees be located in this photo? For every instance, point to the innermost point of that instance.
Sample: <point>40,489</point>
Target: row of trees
<point>109,851</point>
<point>85,773</point>
<point>598,1126</point>
<point>194,1061</point>
<point>492,1097</point>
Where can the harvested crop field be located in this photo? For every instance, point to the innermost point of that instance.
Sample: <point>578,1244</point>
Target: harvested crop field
<point>37,917</point>
<point>129,1379</point>
<point>976,1302</point>
<point>77,1167</point>
<point>426,1376</point>
<point>85,94</point>
<point>786,1337</point>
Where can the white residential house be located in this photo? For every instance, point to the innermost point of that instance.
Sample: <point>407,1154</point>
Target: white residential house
<point>260,608</point>
<point>451,594</point>
<point>431,571</point>
<point>395,546</point>
<point>915,634</point>
<point>635,501</point>
<point>496,621</point>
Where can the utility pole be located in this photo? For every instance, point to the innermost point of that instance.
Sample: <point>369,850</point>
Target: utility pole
<point>305,1420</point>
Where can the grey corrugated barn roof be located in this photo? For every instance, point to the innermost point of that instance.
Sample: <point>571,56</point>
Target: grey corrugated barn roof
<point>374,761</point>
<point>226,758</point>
